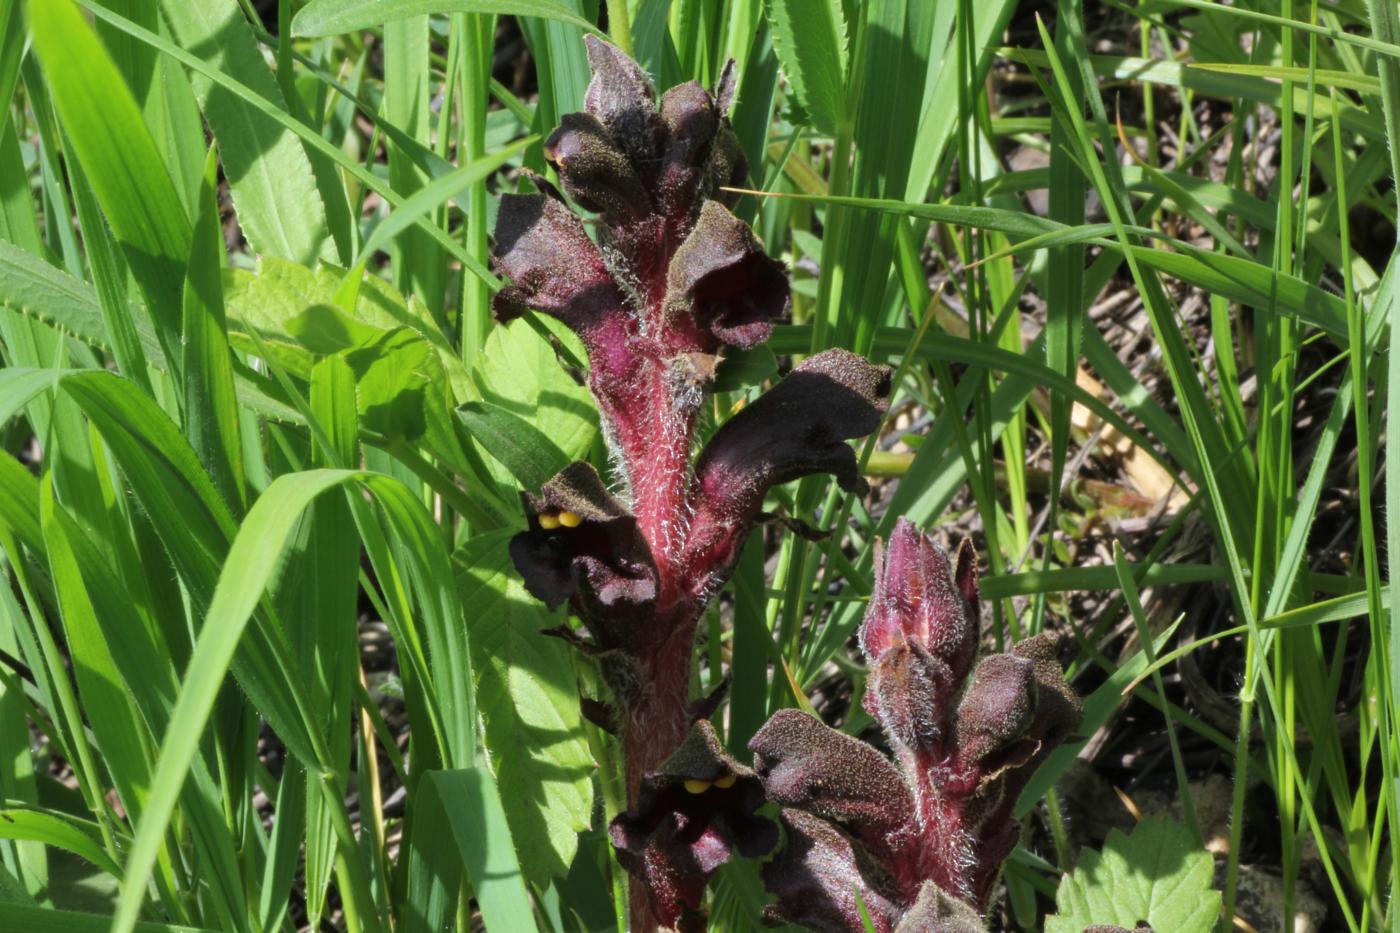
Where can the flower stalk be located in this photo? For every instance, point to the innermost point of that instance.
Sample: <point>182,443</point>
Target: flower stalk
<point>668,283</point>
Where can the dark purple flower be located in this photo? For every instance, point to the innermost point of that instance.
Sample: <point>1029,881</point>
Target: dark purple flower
<point>693,811</point>
<point>918,838</point>
<point>797,428</point>
<point>821,876</point>
<point>583,548</point>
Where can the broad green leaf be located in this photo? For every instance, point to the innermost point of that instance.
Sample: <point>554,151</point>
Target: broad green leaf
<point>520,372</point>
<point>523,449</point>
<point>269,174</point>
<point>528,699</point>
<point>333,17</point>
<point>122,163</point>
<point>402,391</point>
<point>810,39</point>
<point>326,330</point>
<point>743,368</point>
<point>269,299</point>
<point>1159,874</point>
<point>273,298</point>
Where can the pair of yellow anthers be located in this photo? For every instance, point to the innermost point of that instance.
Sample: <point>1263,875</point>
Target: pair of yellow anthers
<point>699,787</point>
<point>561,520</point>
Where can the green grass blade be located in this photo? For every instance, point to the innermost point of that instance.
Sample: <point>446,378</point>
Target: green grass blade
<point>120,736</point>
<point>323,610</point>
<point>109,276</point>
<point>59,830</point>
<point>472,805</point>
<point>110,137</point>
<point>435,195</point>
<point>309,137</point>
<point>18,917</point>
<point>1386,631</point>
<point>333,17</point>
<point>211,407</point>
<point>270,177</point>
<point>284,847</point>
<point>1098,706</point>
<point>253,560</point>
<point>12,36</point>
<point>417,262</point>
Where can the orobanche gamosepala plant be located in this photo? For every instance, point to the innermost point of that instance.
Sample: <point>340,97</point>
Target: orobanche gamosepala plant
<point>668,281</point>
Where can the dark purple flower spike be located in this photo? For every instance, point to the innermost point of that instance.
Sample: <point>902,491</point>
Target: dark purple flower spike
<point>918,839</point>
<point>693,811</point>
<point>667,281</point>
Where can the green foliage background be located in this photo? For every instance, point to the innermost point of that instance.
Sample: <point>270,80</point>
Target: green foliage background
<point>220,449</point>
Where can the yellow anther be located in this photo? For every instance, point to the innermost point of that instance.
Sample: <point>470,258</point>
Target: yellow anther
<point>726,782</point>
<point>549,522</point>
<point>570,519</point>
<point>697,787</point>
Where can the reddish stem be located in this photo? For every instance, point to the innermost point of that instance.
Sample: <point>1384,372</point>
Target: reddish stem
<point>655,719</point>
